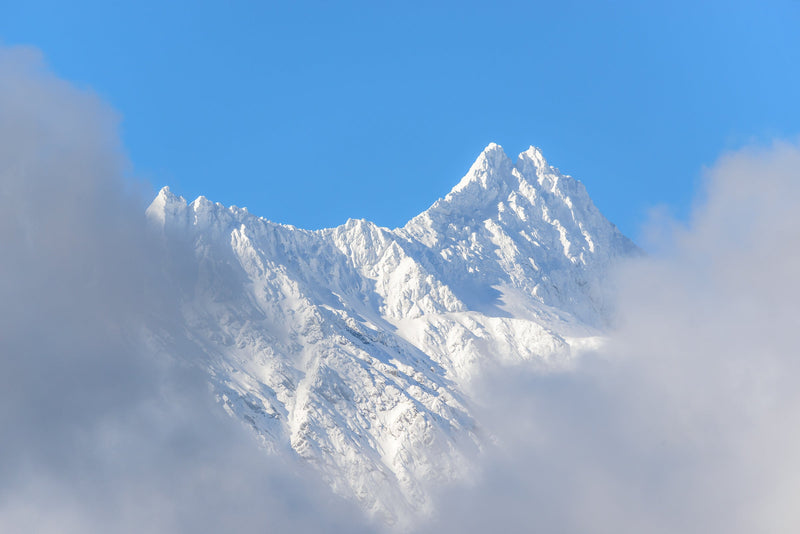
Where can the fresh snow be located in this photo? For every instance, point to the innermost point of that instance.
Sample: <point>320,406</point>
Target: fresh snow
<point>354,347</point>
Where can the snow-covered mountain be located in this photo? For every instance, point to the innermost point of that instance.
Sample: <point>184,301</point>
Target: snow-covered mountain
<point>354,347</point>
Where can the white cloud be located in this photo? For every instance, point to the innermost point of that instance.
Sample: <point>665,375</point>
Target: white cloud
<point>688,422</point>
<point>690,419</point>
<point>100,433</point>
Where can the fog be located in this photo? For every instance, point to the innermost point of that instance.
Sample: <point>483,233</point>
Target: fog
<point>689,419</point>
<point>100,432</point>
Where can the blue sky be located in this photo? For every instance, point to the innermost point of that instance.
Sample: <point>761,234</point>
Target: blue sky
<point>312,112</point>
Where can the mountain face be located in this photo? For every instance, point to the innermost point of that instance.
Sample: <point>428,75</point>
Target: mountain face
<point>354,347</point>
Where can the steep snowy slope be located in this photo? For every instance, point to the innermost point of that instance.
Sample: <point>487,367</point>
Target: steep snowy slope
<point>353,347</point>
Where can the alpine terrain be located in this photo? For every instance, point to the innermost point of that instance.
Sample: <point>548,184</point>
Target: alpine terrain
<point>354,347</point>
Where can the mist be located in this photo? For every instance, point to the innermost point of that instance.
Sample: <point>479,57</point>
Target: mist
<point>687,421</point>
<point>689,418</point>
<point>101,430</point>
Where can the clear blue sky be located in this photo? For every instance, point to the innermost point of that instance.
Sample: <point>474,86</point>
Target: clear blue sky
<point>312,112</point>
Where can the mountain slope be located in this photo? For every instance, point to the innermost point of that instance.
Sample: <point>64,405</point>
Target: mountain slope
<point>354,346</point>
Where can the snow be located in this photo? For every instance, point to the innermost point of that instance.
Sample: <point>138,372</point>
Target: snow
<point>354,347</point>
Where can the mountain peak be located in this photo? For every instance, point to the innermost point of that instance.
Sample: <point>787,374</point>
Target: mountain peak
<point>166,194</point>
<point>493,156</point>
<point>165,202</point>
<point>489,171</point>
<point>533,155</point>
<point>355,349</point>
<point>493,148</point>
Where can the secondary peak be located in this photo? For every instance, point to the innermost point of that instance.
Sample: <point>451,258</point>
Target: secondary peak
<point>533,155</point>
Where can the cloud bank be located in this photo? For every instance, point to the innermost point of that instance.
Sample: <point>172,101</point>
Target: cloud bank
<point>689,420</point>
<point>101,433</point>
